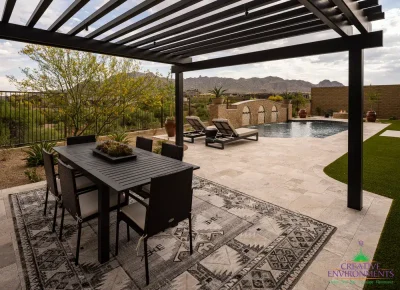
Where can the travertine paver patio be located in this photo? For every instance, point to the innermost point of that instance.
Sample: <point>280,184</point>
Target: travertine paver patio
<point>287,172</point>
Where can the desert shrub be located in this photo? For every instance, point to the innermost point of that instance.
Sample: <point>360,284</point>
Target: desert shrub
<point>121,137</point>
<point>276,98</point>
<point>157,148</point>
<point>393,118</point>
<point>35,153</point>
<point>32,175</point>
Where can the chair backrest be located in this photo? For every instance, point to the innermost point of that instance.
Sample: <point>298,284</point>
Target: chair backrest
<point>68,188</point>
<point>81,139</point>
<point>172,151</point>
<point>225,127</point>
<point>196,123</point>
<point>144,143</point>
<point>48,159</point>
<point>170,201</point>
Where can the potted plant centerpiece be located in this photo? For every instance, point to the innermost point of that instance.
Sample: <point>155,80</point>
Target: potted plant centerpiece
<point>373,98</point>
<point>170,126</point>
<point>218,95</point>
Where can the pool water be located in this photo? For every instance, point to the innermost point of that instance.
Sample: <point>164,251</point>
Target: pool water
<point>316,129</point>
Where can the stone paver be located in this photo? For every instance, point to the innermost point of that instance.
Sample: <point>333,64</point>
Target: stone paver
<point>284,171</point>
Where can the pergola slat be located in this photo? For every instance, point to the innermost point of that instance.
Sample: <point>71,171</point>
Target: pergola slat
<point>247,33</point>
<point>248,25</point>
<point>372,10</point>
<point>43,37</point>
<point>225,14</point>
<point>367,3</point>
<point>140,8</point>
<point>99,13</point>
<point>320,9</point>
<point>71,11</point>
<point>361,41</point>
<point>355,16</point>
<point>179,19</point>
<point>39,10</point>
<point>8,9</point>
<point>182,4</point>
<point>305,28</point>
<point>376,16</point>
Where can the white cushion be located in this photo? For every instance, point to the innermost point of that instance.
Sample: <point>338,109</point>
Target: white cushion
<point>136,212</point>
<point>89,202</point>
<point>81,182</point>
<point>243,132</point>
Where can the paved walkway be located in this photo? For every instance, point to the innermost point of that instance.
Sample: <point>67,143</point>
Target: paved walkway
<point>284,171</point>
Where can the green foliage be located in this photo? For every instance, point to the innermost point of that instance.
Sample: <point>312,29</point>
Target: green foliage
<point>35,153</point>
<point>276,98</point>
<point>121,137</point>
<point>32,175</point>
<point>298,100</point>
<point>115,149</point>
<point>373,98</point>
<point>217,92</point>
<point>157,148</point>
<point>393,118</point>
<point>319,111</point>
<point>381,173</point>
<point>287,95</point>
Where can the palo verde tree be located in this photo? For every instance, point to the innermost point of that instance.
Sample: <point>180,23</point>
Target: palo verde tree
<point>96,90</point>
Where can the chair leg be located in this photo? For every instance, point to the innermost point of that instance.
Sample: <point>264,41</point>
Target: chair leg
<point>45,201</point>
<point>55,217</point>
<point>190,234</point>
<point>117,239</point>
<point>62,223</point>
<point>78,243</point>
<point>146,262</point>
<point>127,232</point>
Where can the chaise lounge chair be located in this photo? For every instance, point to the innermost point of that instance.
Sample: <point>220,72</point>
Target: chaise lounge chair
<point>227,133</point>
<point>198,126</point>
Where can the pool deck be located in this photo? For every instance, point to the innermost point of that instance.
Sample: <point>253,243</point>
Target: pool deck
<point>284,171</point>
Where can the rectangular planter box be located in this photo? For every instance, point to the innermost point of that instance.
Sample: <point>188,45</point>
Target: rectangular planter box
<point>113,159</point>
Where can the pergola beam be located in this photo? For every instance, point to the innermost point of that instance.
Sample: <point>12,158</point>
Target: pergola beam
<point>373,39</point>
<point>196,28</point>
<point>99,13</point>
<point>38,36</point>
<point>320,9</point>
<point>291,31</point>
<point>182,4</point>
<point>8,9</point>
<point>355,16</point>
<point>302,11</point>
<point>71,11</point>
<point>179,19</point>
<point>39,10</point>
<point>143,6</point>
<point>367,3</point>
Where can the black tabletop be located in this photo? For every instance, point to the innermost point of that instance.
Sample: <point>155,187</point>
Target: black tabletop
<point>125,175</point>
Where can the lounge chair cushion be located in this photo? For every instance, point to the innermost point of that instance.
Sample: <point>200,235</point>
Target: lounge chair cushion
<point>89,202</point>
<point>227,128</point>
<point>81,182</point>
<point>136,212</point>
<point>243,132</point>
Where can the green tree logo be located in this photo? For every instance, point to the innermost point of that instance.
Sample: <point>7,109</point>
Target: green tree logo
<point>361,257</point>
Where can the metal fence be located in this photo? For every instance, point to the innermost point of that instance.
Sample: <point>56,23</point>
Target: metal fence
<point>30,117</point>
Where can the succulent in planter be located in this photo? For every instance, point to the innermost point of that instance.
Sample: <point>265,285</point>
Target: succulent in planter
<point>218,95</point>
<point>115,149</point>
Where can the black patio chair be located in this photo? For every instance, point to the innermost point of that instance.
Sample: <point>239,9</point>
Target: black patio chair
<point>144,143</point>
<point>170,202</point>
<point>53,184</point>
<point>81,204</point>
<point>81,139</point>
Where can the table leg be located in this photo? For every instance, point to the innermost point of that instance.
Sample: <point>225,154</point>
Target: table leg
<point>104,224</point>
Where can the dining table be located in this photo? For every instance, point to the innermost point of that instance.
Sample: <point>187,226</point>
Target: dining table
<point>119,177</point>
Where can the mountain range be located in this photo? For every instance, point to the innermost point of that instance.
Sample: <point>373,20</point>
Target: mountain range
<point>268,84</point>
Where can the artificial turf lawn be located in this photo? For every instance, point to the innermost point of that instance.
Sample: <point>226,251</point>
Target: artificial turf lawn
<point>381,176</point>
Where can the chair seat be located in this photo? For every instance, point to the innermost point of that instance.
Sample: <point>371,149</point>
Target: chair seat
<point>243,132</point>
<point>136,212</point>
<point>81,182</point>
<point>146,188</point>
<point>89,202</point>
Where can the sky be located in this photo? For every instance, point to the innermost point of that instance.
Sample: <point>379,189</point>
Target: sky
<point>382,65</point>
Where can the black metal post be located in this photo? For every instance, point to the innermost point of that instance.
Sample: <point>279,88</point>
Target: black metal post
<point>179,108</point>
<point>355,141</point>
<point>189,106</point>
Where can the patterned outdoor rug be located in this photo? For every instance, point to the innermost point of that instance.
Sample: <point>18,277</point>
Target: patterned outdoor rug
<point>240,242</point>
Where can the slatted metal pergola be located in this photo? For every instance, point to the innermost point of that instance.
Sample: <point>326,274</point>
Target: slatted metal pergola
<point>208,28</point>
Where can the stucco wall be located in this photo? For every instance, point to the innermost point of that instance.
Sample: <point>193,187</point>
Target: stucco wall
<point>336,99</point>
<point>235,112</point>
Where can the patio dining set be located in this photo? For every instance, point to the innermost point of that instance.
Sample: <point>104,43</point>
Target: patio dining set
<point>150,193</point>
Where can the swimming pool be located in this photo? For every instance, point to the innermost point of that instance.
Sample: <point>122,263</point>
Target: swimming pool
<point>316,129</point>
